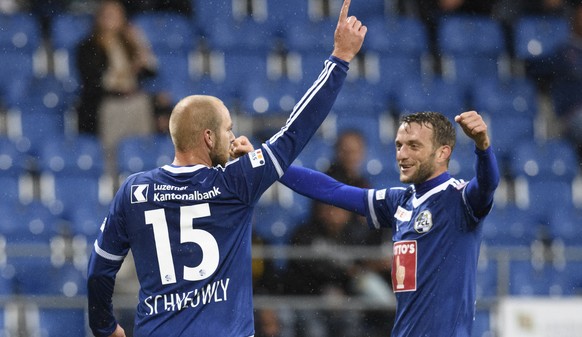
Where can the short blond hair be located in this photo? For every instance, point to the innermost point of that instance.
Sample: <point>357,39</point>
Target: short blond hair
<point>190,117</point>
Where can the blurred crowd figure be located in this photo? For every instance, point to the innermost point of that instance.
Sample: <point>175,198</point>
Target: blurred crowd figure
<point>349,156</point>
<point>111,61</point>
<point>564,71</point>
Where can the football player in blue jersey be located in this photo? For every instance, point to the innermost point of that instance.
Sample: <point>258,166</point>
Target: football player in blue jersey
<point>436,222</point>
<point>188,224</point>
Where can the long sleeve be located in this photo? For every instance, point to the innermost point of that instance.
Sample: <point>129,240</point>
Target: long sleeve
<point>481,188</point>
<point>308,114</point>
<point>318,186</point>
<point>100,285</point>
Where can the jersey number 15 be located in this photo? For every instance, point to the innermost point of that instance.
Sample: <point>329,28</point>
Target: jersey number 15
<point>207,242</point>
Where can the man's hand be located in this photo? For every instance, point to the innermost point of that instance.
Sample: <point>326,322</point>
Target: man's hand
<point>475,128</point>
<point>349,35</point>
<point>240,146</point>
<point>119,332</point>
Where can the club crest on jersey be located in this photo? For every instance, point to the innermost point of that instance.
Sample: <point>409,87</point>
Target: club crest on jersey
<point>423,222</point>
<point>257,158</point>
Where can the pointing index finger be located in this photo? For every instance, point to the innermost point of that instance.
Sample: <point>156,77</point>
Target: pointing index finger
<point>344,11</point>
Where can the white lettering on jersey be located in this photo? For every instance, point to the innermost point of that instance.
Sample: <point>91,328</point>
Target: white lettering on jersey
<point>211,293</point>
<point>194,196</point>
<point>257,158</point>
<point>404,266</point>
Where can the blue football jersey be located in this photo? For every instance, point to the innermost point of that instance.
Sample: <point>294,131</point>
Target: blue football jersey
<point>189,230</point>
<point>436,247</point>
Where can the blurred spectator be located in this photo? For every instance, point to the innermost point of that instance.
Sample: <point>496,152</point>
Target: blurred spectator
<point>565,69</point>
<point>267,323</point>
<point>179,6</point>
<point>338,275</point>
<point>350,153</point>
<point>111,62</point>
<point>542,7</point>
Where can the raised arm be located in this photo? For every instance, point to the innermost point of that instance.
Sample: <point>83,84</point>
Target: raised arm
<point>348,36</point>
<point>313,107</point>
<point>481,189</point>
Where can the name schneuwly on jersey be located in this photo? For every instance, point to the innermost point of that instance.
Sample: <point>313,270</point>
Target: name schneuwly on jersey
<point>211,293</point>
<point>139,193</point>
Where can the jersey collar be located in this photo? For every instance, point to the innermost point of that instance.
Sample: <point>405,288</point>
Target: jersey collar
<point>182,169</point>
<point>428,185</point>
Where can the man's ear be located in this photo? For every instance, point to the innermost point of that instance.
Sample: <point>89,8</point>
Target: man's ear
<point>209,138</point>
<point>444,153</point>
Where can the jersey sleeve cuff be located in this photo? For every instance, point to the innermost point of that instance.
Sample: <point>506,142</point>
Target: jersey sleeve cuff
<point>344,65</point>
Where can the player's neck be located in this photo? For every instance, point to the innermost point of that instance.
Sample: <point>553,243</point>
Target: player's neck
<point>190,159</point>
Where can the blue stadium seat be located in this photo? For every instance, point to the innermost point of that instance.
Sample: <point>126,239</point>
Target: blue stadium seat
<point>241,36</point>
<point>173,39</point>
<point>510,108</point>
<point>80,155</point>
<point>63,280</point>
<point>553,159</point>
<point>471,47</point>
<point>482,326</point>
<point>206,12</point>
<point>67,31</point>
<point>238,68</point>
<point>510,226</point>
<point>571,276</point>
<point>316,155</point>
<point>63,193</point>
<point>366,11</point>
<point>56,321</point>
<point>282,15</point>
<point>270,97</point>
<point>31,125</point>
<point>403,36</point>
<point>13,173</point>
<point>400,44</point>
<point>544,173</point>
<point>141,153</point>
<point>86,220</point>
<point>275,224</point>
<point>502,97</point>
<point>362,97</point>
<point>311,37</point>
<point>535,37</point>
<point>525,279</point>
<point>309,65</point>
<point>29,224</point>
<point>462,163</point>
<point>437,94</point>
<point>167,32</point>
<point>565,225</point>
<point>487,279</point>
<point>20,39</point>
<point>71,174</point>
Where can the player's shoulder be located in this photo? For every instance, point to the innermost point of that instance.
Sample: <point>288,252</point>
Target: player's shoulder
<point>458,184</point>
<point>388,193</point>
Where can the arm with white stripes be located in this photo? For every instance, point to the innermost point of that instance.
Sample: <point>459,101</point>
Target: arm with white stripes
<point>307,115</point>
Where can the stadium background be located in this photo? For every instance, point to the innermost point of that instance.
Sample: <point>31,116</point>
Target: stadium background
<point>259,58</point>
